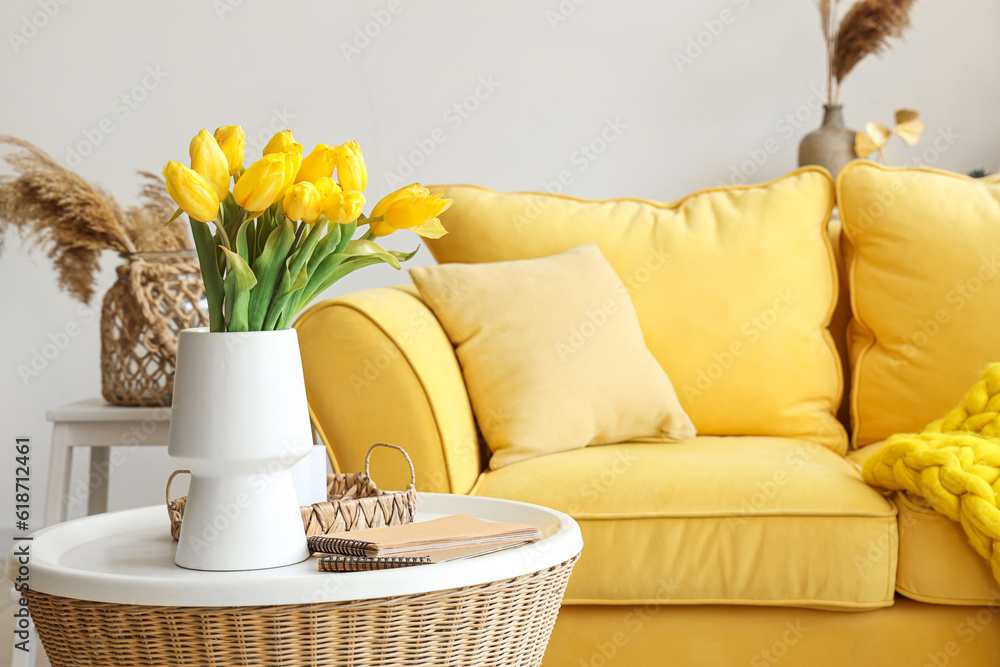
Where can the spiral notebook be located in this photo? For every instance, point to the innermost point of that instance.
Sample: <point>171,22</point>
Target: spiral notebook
<point>424,538</point>
<point>338,563</point>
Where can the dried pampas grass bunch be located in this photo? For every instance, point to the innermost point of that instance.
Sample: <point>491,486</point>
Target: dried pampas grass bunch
<point>76,221</point>
<point>865,30</point>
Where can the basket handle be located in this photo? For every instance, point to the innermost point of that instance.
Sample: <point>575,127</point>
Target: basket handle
<point>170,481</point>
<point>413,473</point>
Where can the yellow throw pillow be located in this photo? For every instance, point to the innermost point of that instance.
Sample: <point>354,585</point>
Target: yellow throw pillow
<point>552,354</point>
<point>924,272</point>
<point>734,289</point>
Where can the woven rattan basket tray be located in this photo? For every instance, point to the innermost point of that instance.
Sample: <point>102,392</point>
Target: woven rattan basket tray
<point>497,624</point>
<point>354,502</point>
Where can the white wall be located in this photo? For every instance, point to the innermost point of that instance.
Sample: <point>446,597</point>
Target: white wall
<point>555,81</point>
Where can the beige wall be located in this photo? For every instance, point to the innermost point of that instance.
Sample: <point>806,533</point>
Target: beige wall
<point>614,98</point>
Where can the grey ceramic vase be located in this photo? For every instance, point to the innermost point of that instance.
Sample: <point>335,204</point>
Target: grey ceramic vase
<point>832,145</point>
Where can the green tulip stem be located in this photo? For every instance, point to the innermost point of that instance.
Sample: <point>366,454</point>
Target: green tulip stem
<point>222,233</point>
<point>212,276</point>
<point>369,235</point>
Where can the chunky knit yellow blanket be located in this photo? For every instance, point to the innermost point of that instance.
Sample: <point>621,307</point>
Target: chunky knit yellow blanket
<point>955,464</point>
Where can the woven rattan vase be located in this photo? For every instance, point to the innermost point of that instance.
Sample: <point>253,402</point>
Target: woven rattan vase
<point>157,294</point>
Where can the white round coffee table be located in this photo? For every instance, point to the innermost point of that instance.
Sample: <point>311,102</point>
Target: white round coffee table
<point>105,588</point>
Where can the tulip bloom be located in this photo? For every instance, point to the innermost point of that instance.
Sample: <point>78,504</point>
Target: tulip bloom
<point>318,164</point>
<point>417,213</point>
<point>210,162</point>
<point>302,202</point>
<point>343,207</point>
<point>192,193</point>
<point>412,190</point>
<point>283,142</point>
<point>233,142</point>
<point>293,162</point>
<point>326,186</point>
<point>351,171</point>
<point>413,208</point>
<point>263,183</point>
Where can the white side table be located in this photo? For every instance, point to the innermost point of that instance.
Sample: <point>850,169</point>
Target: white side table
<point>96,424</point>
<point>497,609</point>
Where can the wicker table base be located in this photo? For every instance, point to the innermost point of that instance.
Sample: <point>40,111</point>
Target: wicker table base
<point>499,623</point>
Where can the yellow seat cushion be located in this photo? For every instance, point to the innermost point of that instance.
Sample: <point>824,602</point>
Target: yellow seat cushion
<point>552,354</point>
<point>907,634</point>
<point>716,520</point>
<point>923,250</point>
<point>936,562</point>
<point>734,289</point>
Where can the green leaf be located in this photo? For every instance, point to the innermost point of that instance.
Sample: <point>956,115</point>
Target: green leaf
<point>330,271</point>
<point>365,248</point>
<point>242,246</point>
<point>266,267</point>
<point>404,256</point>
<point>346,232</point>
<point>177,214</point>
<point>335,266</point>
<point>232,221</point>
<point>274,318</point>
<point>296,267</point>
<point>238,283</point>
<point>323,249</point>
<point>277,211</point>
<point>264,230</point>
<point>232,208</point>
<point>317,276</point>
<point>210,273</point>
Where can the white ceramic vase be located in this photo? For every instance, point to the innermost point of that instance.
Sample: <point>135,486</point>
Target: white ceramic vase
<point>309,476</point>
<point>239,423</point>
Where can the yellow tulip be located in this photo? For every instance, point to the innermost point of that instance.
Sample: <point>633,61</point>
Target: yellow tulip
<point>326,186</point>
<point>343,207</point>
<point>293,162</point>
<point>302,202</point>
<point>191,192</point>
<point>351,171</point>
<point>283,142</point>
<point>411,190</point>
<point>210,162</point>
<point>233,142</point>
<point>263,183</point>
<point>318,164</point>
<point>419,214</point>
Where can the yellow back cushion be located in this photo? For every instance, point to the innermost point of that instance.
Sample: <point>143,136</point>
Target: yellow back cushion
<point>734,288</point>
<point>923,248</point>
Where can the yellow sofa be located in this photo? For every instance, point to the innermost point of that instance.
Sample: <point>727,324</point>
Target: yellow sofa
<point>754,543</point>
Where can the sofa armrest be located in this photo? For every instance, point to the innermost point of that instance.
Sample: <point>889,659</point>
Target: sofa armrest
<point>379,368</point>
